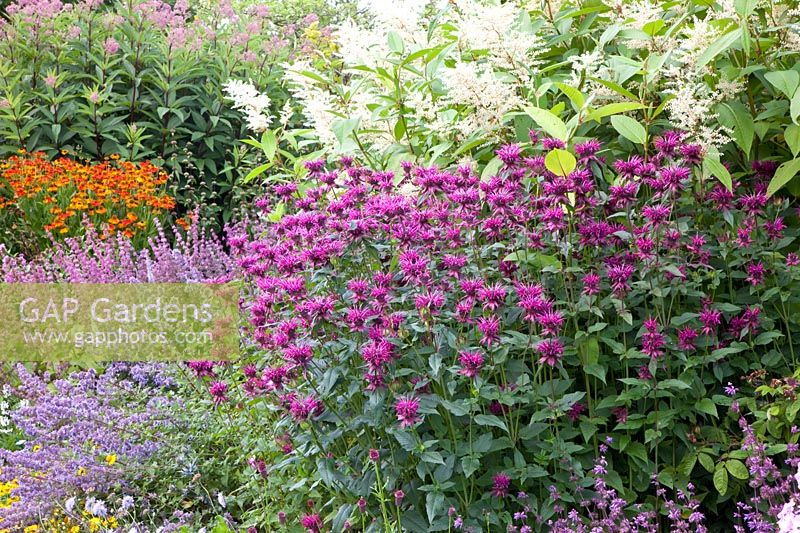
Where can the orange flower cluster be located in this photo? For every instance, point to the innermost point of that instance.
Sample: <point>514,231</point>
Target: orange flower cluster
<point>57,195</point>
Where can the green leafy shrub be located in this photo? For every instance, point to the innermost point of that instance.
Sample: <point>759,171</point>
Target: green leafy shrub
<point>143,80</point>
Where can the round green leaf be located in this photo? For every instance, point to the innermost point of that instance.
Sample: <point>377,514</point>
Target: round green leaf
<point>560,162</point>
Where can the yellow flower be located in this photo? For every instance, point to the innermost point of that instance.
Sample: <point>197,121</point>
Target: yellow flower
<point>81,471</point>
<point>37,447</point>
<point>111,459</point>
<point>32,529</point>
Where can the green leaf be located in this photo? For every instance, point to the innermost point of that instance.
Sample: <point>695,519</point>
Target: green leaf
<point>712,167</point>
<point>574,95</point>
<point>737,468</point>
<point>560,162</point>
<point>470,465</point>
<point>735,115</point>
<point>269,144</point>
<point>253,174</point>
<point>536,259</point>
<point>614,109</point>
<point>490,420</point>
<point>721,480</point>
<point>783,175</point>
<point>413,521</point>
<point>491,168</point>
<point>794,106</point>
<point>717,47</point>
<point>343,128</point>
<point>744,8</point>
<point>673,384</point>
<point>707,406</point>
<point>706,461</point>
<point>550,123</point>
<point>434,504</point>
<point>406,440</point>
<point>432,457</point>
<point>587,430</point>
<point>629,128</point>
<point>395,42</point>
<point>792,137</point>
<point>786,81</point>
<point>636,449</point>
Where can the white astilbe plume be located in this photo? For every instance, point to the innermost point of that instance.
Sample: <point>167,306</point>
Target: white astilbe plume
<point>495,28</point>
<point>691,110</point>
<point>318,105</point>
<point>592,65</point>
<point>360,45</point>
<point>792,18</point>
<point>475,86</point>
<point>635,14</point>
<point>695,39</point>
<point>254,104</point>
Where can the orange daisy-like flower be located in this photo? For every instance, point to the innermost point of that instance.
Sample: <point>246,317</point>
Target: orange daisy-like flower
<point>111,193</point>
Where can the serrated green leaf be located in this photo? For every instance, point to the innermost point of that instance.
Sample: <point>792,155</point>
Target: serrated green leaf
<point>490,420</point>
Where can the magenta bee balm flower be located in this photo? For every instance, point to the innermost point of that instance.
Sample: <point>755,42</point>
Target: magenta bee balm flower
<point>406,409</point>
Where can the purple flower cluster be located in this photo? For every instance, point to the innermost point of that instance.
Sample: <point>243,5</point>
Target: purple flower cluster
<point>73,424</point>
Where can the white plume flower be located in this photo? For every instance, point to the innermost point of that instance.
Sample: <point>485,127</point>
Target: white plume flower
<point>254,104</point>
